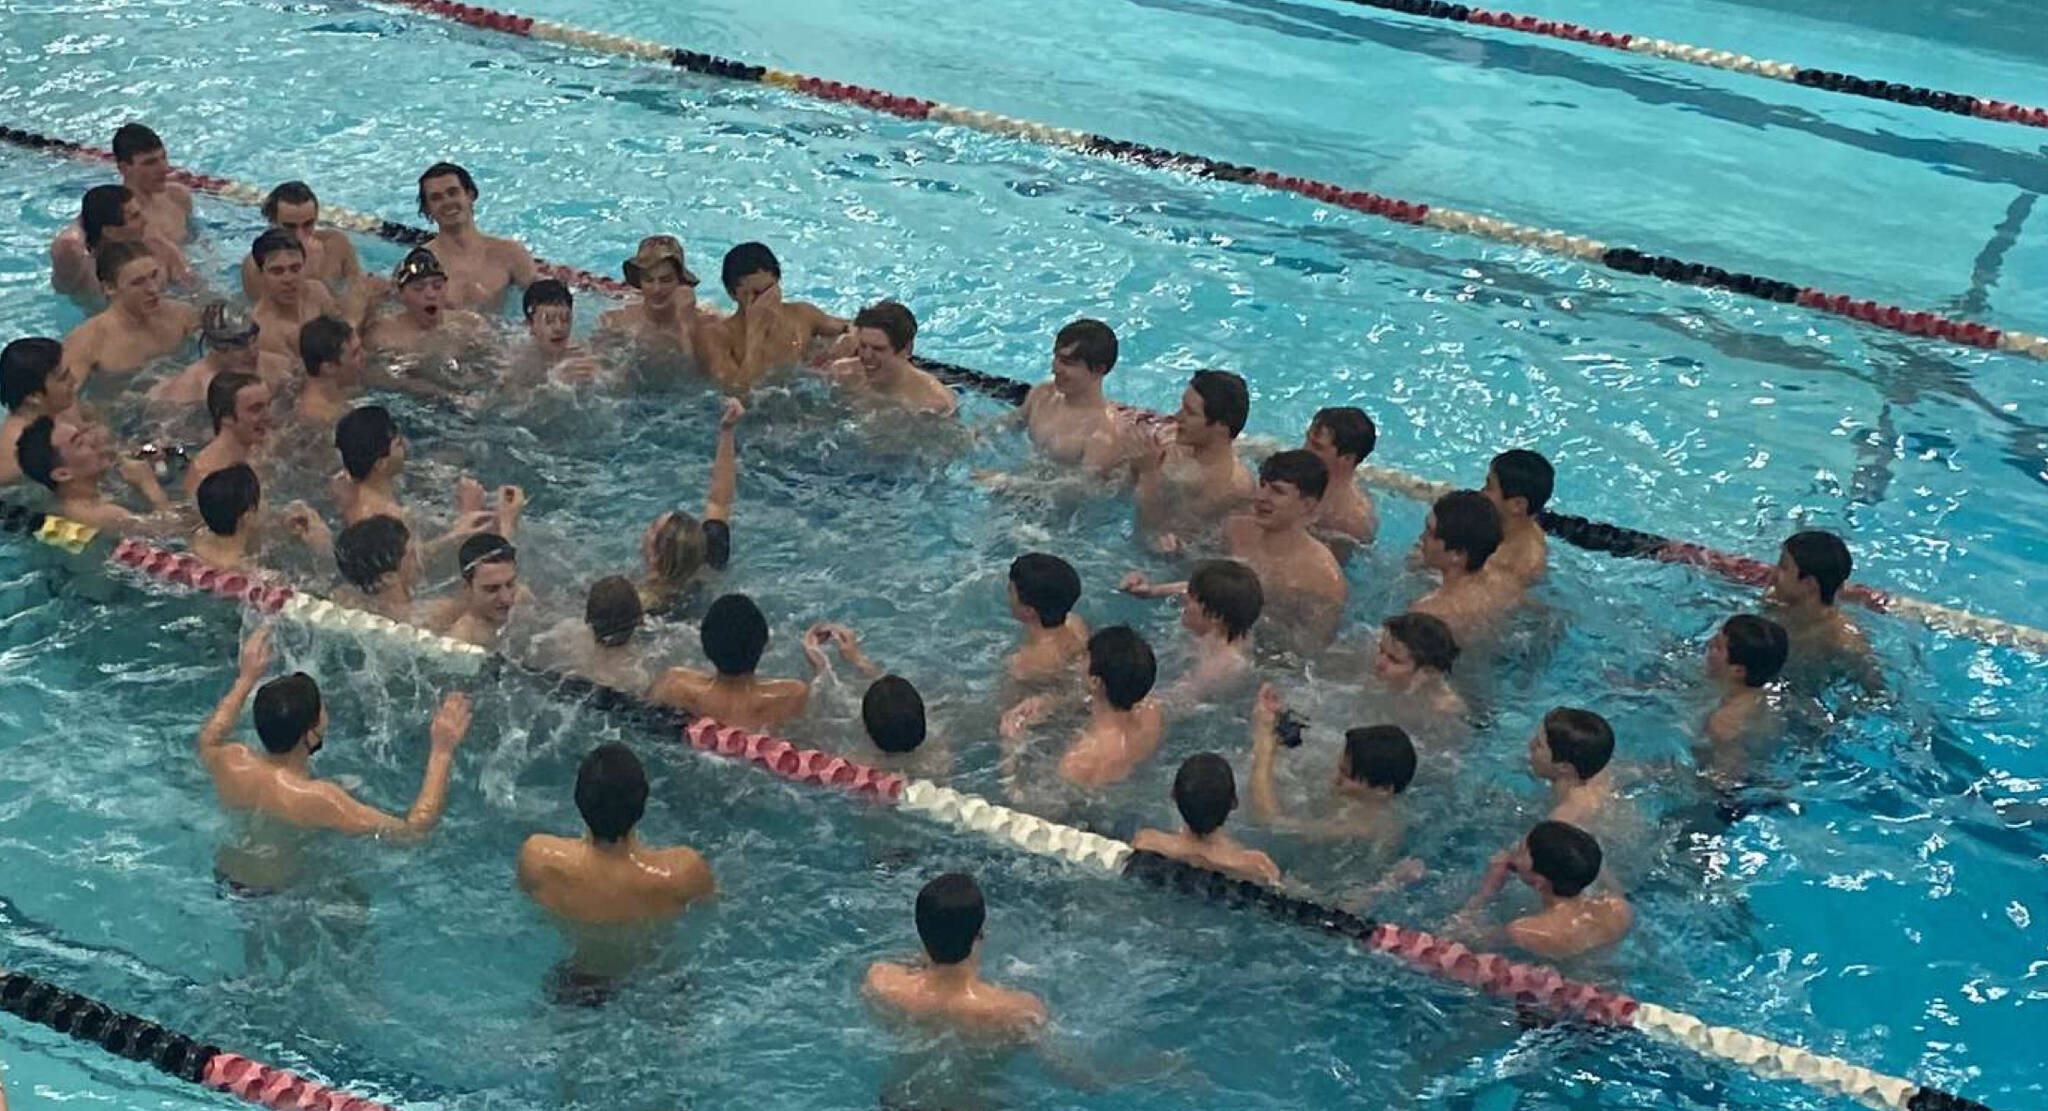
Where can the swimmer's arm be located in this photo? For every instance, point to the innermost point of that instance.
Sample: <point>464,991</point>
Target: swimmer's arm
<point>69,265</point>
<point>1265,733</point>
<point>1489,888</point>
<point>333,808</point>
<point>351,264</point>
<point>520,264</point>
<point>725,466</point>
<point>716,356</point>
<point>255,658</point>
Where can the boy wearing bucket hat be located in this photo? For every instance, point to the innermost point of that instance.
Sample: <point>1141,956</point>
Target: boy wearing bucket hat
<point>667,306</point>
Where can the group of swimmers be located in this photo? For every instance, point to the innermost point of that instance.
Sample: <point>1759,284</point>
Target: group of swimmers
<point>1268,547</point>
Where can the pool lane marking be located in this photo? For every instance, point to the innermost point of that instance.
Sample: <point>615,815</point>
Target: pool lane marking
<point>1525,983</point>
<point>1588,535</point>
<point>1879,314</point>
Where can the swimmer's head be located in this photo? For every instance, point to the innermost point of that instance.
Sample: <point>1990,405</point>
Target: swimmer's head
<point>611,792</point>
<point>1518,483</point>
<point>228,498</point>
<point>110,214</point>
<point>330,348</point>
<point>1812,566</point>
<point>1749,651</point>
<point>1413,644</point>
<point>447,195</point>
<point>131,277</point>
<point>658,270</point>
<point>1571,744</point>
<point>1223,596</point>
<point>1205,792</point>
<point>140,158</point>
<point>950,915</point>
<point>612,611</point>
<point>673,550</point>
<point>369,443</point>
<point>1341,436</point>
<point>422,284</point>
<point>1082,354</point>
<point>229,333</point>
<point>240,407</point>
<point>550,312</point>
<point>282,258</point>
<point>734,634</point>
<point>55,452</point>
<point>293,208</point>
<point>883,332</point>
<point>376,552</point>
<point>1043,589</point>
<point>1121,668</point>
<point>749,270</point>
<point>1558,858</point>
<point>1376,759</point>
<point>1463,532</point>
<point>1291,486</point>
<point>32,370</point>
<point>893,713</point>
<point>490,576</point>
<point>289,715</point>
<point>1213,409</point>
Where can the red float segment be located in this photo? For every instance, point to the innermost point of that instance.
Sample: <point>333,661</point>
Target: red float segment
<point>802,765</point>
<point>258,1083</point>
<point>182,569</point>
<point>1742,569</point>
<point>1538,985</point>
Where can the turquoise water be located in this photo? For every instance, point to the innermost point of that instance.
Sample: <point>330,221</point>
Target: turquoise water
<point>1886,917</point>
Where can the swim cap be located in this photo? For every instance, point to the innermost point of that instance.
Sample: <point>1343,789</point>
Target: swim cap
<point>419,263</point>
<point>223,325</point>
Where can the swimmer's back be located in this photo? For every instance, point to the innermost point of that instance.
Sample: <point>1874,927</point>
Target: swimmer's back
<point>574,880</point>
<point>984,1009</point>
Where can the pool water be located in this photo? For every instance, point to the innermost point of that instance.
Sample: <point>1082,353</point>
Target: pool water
<point>1884,915</point>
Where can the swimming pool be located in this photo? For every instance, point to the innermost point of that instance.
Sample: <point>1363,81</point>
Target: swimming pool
<point>1886,920</point>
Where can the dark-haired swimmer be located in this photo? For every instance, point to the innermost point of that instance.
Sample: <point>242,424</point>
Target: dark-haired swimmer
<point>1813,566</point>
<point>892,715</point>
<point>70,457</point>
<point>232,521</point>
<point>1124,724</point>
<point>1069,419</point>
<point>479,267</point>
<point>108,214</point>
<point>1559,862</point>
<point>676,547</point>
<point>145,168</point>
<point>1188,486</point>
<point>290,298</point>
<point>880,373</point>
<point>330,258</point>
<point>947,990</point>
<point>480,607</point>
<point>425,319</point>
<point>1413,661</point>
<point>734,634</point>
<point>35,382</point>
<point>1205,792</point>
<point>331,350</point>
<point>139,324</point>
<point>239,407</point>
<point>764,333</point>
<point>1458,540</point>
<point>230,337</point>
<point>373,454</point>
<point>1220,603</point>
<point>274,789</point>
<point>1342,437</point>
<point>1744,656</point>
<point>1043,589</point>
<point>610,892</point>
<point>1571,750</point>
<point>1518,483</point>
<point>550,323</point>
<point>601,646</point>
<point>1374,767</point>
<point>1304,586</point>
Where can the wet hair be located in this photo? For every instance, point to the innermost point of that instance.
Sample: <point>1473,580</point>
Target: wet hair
<point>1468,524</point>
<point>1379,756</point>
<point>25,368</point>
<point>1822,557</point>
<point>104,206</point>
<point>1205,791</point>
<point>1427,638</point>
<point>287,708</point>
<point>132,140</point>
<point>892,319</point>
<point>1090,341</point>
<point>1047,585</point>
<point>1299,469</point>
<point>893,713</point>
<point>482,548</point>
<point>112,258</point>
<point>611,791</point>
<point>1351,431</point>
<point>1758,645</point>
<point>1579,738</point>
<point>1123,661</point>
<point>226,496</point>
<point>679,550</point>
<point>1524,474</point>
<point>546,291</point>
<point>274,242</point>
<point>370,549</point>
<point>613,611</point>
<point>1230,592</point>
<point>36,451</point>
<point>445,169</point>
<point>1225,400</point>
<point>222,391</point>
<point>322,340</point>
<point>745,259</point>
<point>291,192</point>
<point>364,436</point>
<point>950,914</point>
<point>1565,855</point>
<point>734,634</point>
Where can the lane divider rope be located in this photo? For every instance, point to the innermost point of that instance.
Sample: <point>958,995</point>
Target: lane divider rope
<point>1897,92</point>
<point>1529,984</point>
<point>1879,314</point>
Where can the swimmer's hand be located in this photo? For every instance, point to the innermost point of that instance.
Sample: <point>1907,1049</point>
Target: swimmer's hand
<point>815,639</point>
<point>1167,543</point>
<point>474,521</point>
<point>469,495</point>
<point>451,723</point>
<point>734,410</point>
<point>1024,715</point>
<point>139,473</point>
<point>303,522</point>
<point>1136,583</point>
<point>1266,708</point>
<point>256,653</point>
